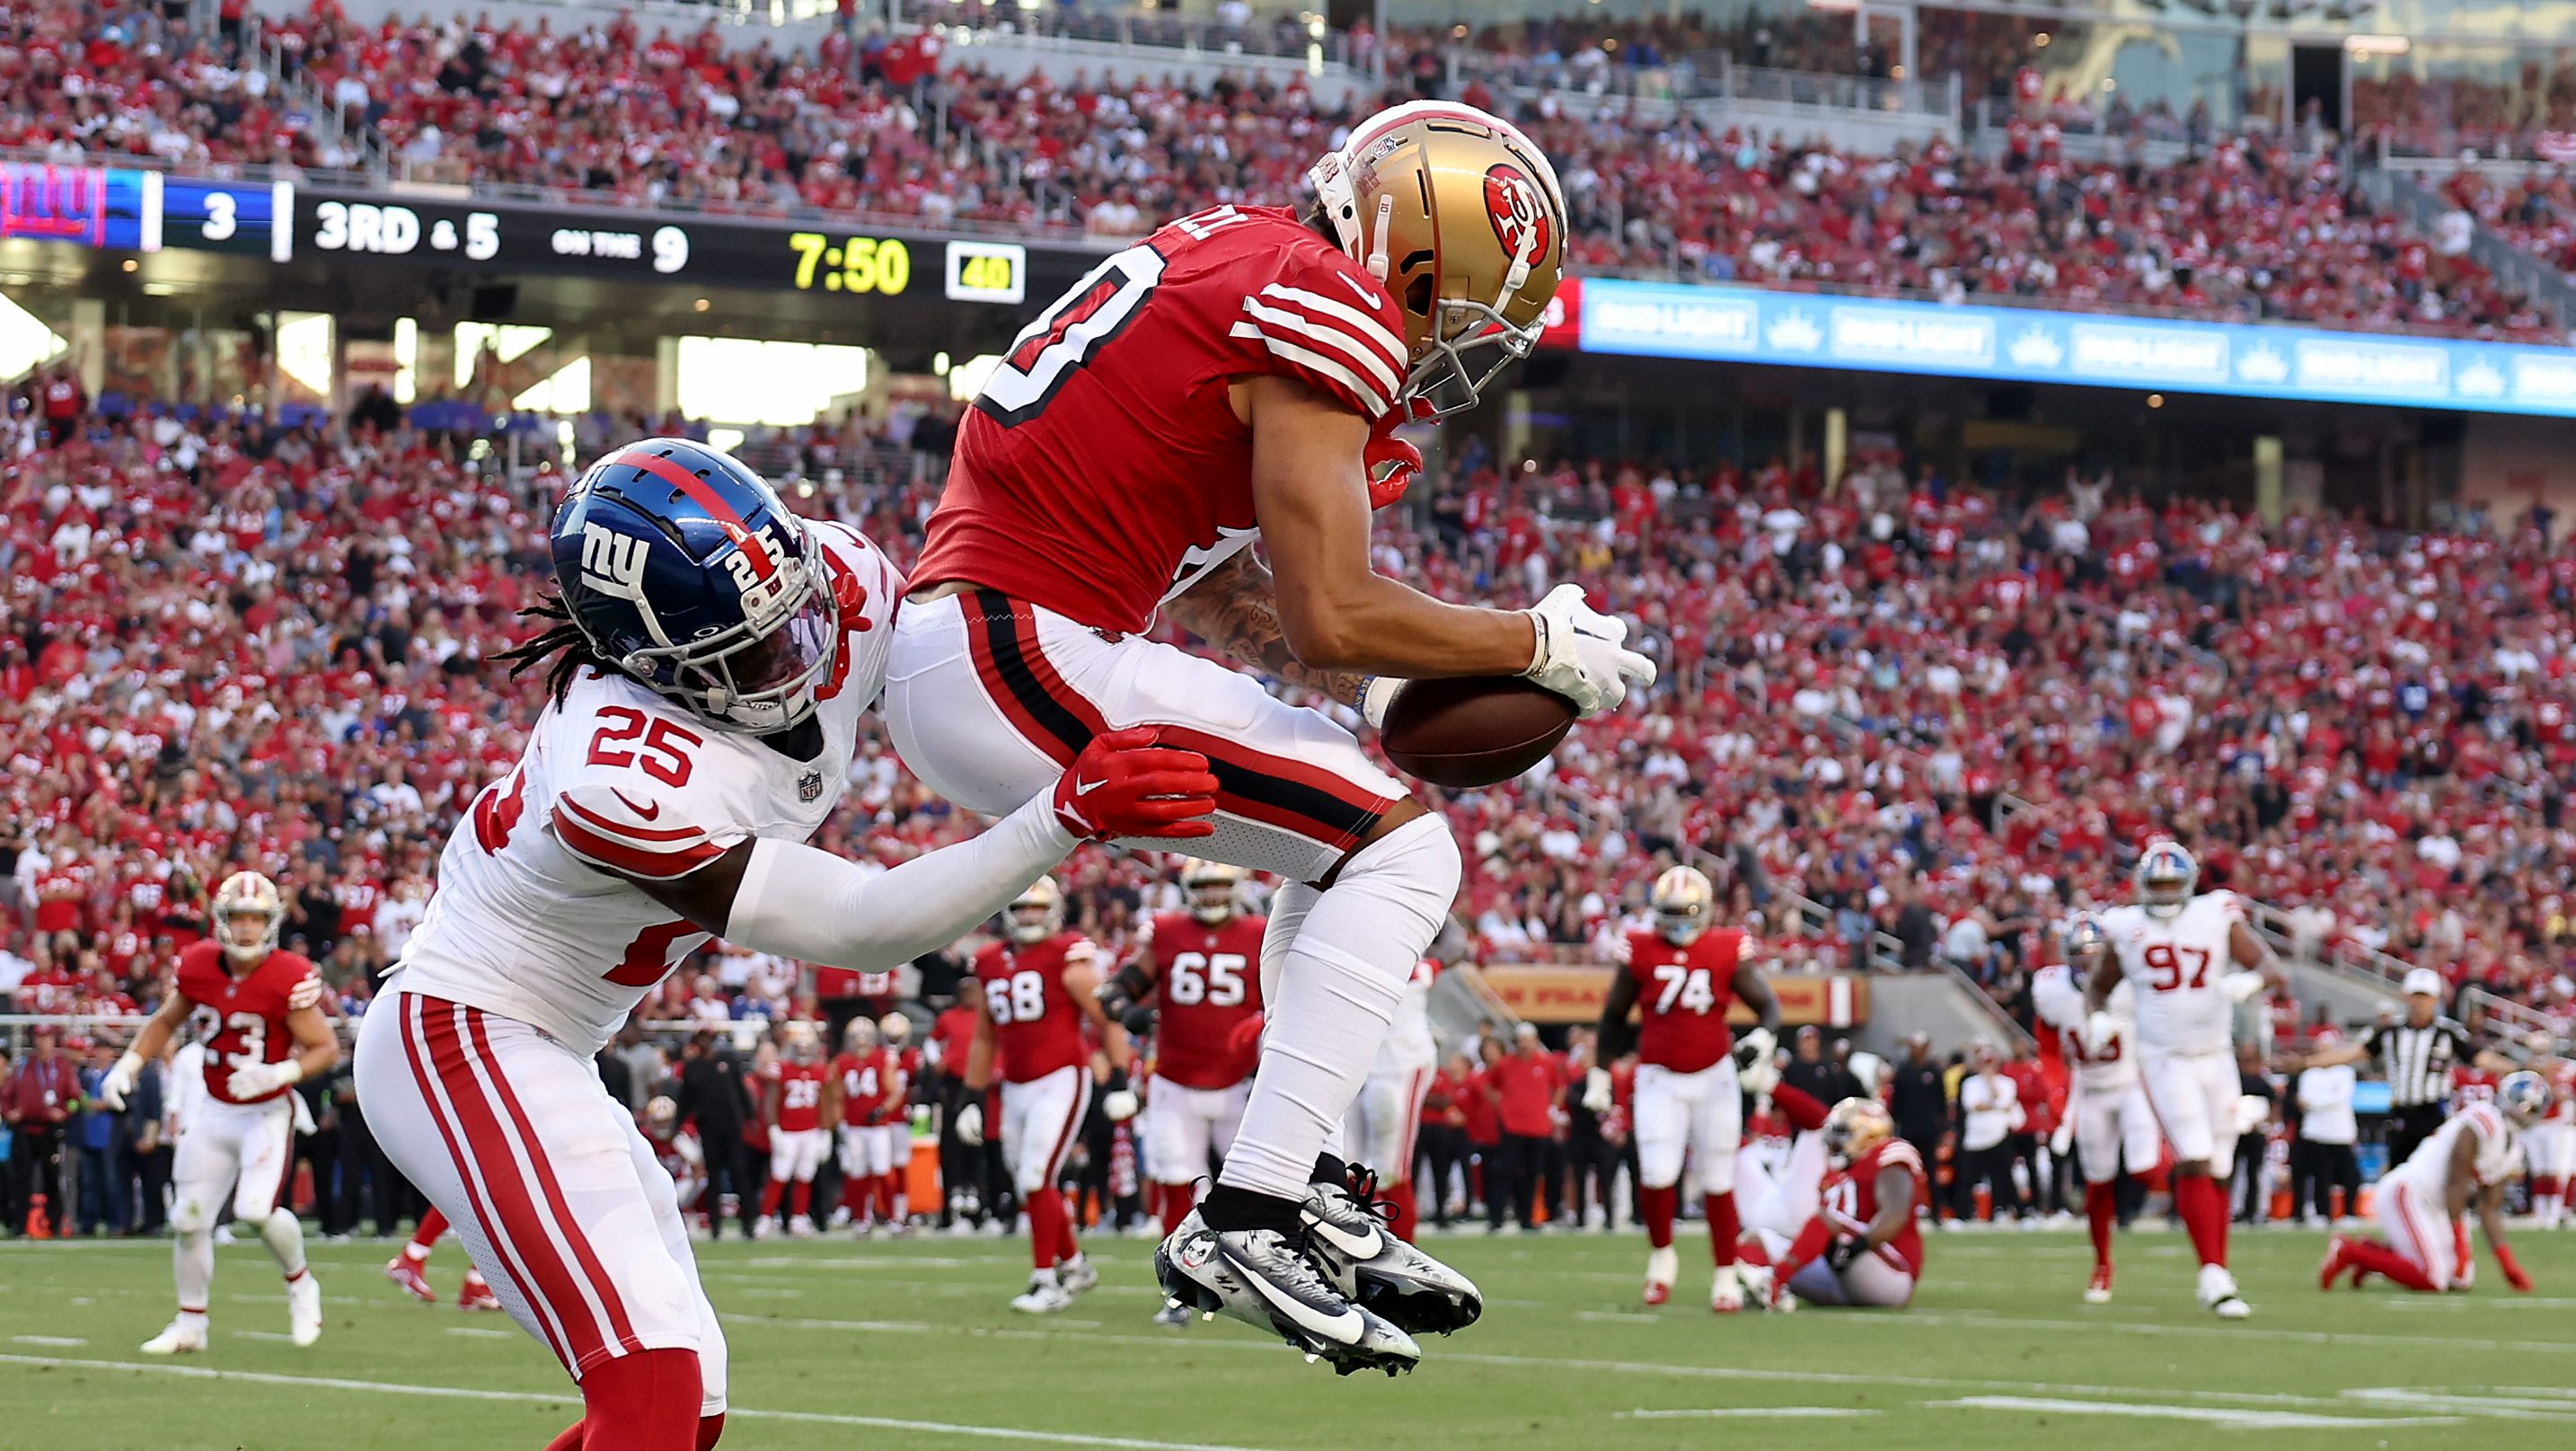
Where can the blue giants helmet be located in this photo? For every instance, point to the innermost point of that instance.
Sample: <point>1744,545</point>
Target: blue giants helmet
<point>684,570</point>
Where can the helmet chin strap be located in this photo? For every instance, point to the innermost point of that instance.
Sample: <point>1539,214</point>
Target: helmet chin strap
<point>1378,262</point>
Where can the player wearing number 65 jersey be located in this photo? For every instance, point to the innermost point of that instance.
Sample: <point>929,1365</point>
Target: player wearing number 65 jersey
<point>269,1036</point>
<point>1041,983</point>
<point>711,658</point>
<point>1682,974</point>
<point>2189,957</point>
<point>1203,970</point>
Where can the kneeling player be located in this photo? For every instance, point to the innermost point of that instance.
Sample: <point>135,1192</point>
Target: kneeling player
<point>2465,1165</point>
<point>1862,1248</point>
<point>241,1138</point>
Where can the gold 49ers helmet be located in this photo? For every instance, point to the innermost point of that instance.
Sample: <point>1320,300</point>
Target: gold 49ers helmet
<point>1684,904</point>
<point>1462,218</point>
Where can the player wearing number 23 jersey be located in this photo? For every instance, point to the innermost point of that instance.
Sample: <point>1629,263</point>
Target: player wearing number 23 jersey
<point>710,659</point>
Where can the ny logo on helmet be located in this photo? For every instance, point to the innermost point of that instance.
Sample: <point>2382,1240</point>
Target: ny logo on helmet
<point>613,563</point>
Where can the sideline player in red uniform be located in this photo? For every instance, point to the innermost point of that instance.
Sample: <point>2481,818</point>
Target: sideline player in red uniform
<point>270,1035</point>
<point>408,1268</point>
<point>1040,985</point>
<point>1203,967</point>
<point>1863,1247</point>
<point>1237,375</point>
<point>792,1105</point>
<point>1688,1098</point>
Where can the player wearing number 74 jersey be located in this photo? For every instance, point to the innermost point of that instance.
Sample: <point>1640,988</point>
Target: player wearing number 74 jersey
<point>712,655</point>
<point>2189,957</point>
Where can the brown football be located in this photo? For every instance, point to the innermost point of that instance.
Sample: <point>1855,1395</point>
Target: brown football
<point>1475,731</point>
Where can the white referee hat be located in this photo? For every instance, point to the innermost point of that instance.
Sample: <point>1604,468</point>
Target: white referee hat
<point>2424,980</point>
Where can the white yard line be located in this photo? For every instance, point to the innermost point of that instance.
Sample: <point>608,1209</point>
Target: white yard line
<point>58,1342</point>
<point>2235,1420</point>
<point>479,1333</point>
<point>962,1430</point>
<point>1935,1318</point>
<point>1779,1413</point>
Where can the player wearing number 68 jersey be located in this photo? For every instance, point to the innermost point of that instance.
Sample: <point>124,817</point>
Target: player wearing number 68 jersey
<point>1041,982</point>
<point>1682,974</point>
<point>1202,969</point>
<point>710,659</point>
<point>2188,957</point>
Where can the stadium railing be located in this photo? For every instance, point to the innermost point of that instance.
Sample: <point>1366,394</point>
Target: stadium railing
<point>2514,268</point>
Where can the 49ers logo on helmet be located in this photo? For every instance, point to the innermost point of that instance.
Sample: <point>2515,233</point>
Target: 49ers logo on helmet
<point>1511,203</point>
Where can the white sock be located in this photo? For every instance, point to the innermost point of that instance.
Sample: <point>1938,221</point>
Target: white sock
<point>192,1259</point>
<point>284,1235</point>
<point>1331,996</point>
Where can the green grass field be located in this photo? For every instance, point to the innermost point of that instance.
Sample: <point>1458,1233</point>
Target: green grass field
<point>893,1347</point>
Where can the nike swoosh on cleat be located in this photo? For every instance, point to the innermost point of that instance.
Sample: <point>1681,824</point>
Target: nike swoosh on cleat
<point>1355,1246</point>
<point>1344,1328</point>
<point>641,813</point>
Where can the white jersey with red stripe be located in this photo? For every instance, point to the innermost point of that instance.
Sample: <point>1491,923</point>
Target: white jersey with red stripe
<point>2499,1152</point>
<point>2176,965</point>
<point>536,916</point>
<point>2058,999</point>
<point>1409,1046</point>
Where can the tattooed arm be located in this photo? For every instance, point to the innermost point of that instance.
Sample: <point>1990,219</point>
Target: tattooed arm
<point>1232,608</point>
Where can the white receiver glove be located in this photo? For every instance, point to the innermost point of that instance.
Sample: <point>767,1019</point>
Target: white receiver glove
<point>970,1125</point>
<point>2100,1031</point>
<point>1581,653</point>
<point>120,1081</point>
<point>2242,985</point>
<point>259,1080</point>
<point>1118,1105</point>
<point>1596,1090</point>
<point>1375,696</point>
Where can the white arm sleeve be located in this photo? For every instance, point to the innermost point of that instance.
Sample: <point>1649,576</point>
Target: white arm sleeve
<point>2058,998</point>
<point>801,902</point>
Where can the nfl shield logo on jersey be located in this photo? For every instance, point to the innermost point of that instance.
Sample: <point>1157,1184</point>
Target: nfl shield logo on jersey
<point>809,786</point>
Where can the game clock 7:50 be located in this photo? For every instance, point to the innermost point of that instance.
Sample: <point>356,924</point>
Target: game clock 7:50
<point>855,264</point>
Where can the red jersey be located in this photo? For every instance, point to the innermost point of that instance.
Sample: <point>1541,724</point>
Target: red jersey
<point>1683,993</point>
<point>1036,1023</point>
<point>799,1087</point>
<point>862,1086</point>
<point>1102,469</point>
<point>250,1010</point>
<point>1208,980</point>
<point>1525,1091</point>
<point>1851,1196</point>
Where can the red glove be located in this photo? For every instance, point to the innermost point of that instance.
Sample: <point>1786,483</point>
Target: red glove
<point>1124,785</point>
<point>2513,1272</point>
<point>1392,463</point>
<point>1243,1045</point>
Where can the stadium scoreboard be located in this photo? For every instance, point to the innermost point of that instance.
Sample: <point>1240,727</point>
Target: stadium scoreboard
<point>126,209</point>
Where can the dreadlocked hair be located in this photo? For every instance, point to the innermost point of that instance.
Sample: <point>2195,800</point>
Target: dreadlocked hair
<point>563,641</point>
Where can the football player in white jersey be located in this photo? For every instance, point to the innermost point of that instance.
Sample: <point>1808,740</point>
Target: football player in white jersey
<point>712,655</point>
<point>2106,1106</point>
<point>2421,1204</point>
<point>2189,957</point>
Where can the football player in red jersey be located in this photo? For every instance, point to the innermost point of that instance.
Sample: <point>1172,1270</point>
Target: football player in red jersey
<point>1239,374</point>
<point>270,1035</point>
<point>1862,1248</point>
<point>2550,1145</point>
<point>1040,984</point>
<point>792,1106</point>
<point>409,1268</point>
<point>1683,975</point>
<point>1203,967</point>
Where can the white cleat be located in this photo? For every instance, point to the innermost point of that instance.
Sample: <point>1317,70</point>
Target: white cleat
<point>1726,1292</point>
<point>186,1336</point>
<point>2217,1294</point>
<point>304,1309</point>
<point>1075,1276</point>
<point>1043,1296</point>
<point>1663,1266</point>
<point>801,1227</point>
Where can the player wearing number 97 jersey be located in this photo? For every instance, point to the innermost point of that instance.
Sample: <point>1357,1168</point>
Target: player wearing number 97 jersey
<point>706,674</point>
<point>2189,957</point>
<point>1682,974</point>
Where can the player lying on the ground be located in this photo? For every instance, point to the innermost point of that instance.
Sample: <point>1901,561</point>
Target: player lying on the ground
<point>2107,1111</point>
<point>240,1140</point>
<point>2422,1205</point>
<point>2190,957</point>
<point>1683,973</point>
<point>1861,1247</point>
<point>706,677</point>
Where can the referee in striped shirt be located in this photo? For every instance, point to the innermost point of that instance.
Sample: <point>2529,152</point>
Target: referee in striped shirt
<point>2416,1058</point>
